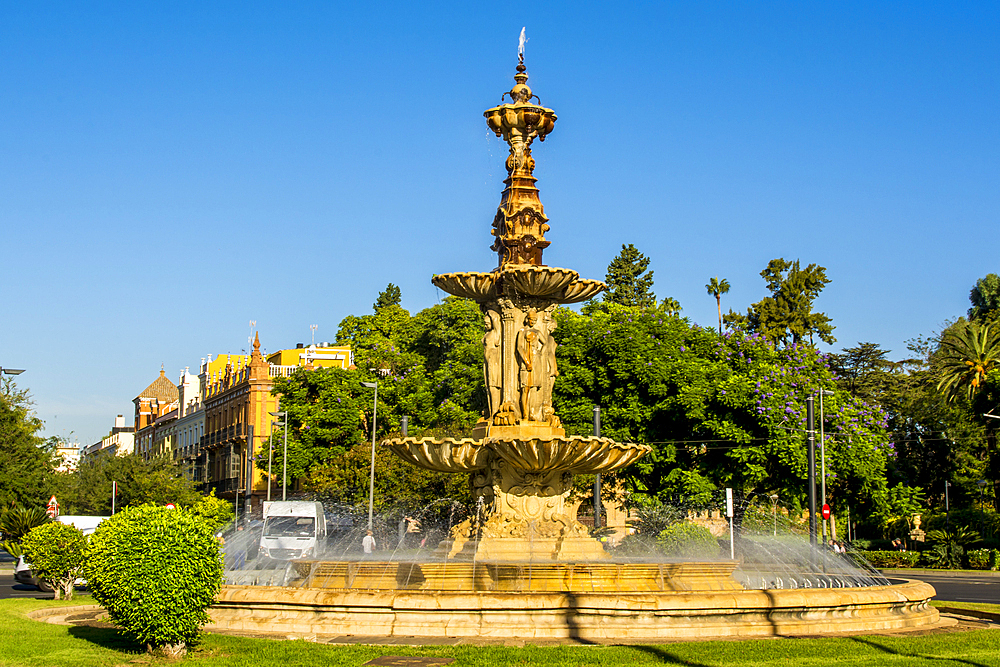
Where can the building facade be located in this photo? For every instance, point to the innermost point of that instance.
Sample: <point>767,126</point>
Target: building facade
<point>120,442</point>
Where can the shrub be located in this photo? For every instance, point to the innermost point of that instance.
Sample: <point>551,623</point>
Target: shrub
<point>155,570</point>
<point>948,549</point>
<point>17,522</point>
<point>216,511</point>
<point>56,552</point>
<point>891,559</point>
<point>979,559</point>
<point>688,540</point>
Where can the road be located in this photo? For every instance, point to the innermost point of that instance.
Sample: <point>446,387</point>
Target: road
<point>952,586</point>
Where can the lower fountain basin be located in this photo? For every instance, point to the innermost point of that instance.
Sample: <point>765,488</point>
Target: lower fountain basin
<point>441,454</point>
<point>616,617</point>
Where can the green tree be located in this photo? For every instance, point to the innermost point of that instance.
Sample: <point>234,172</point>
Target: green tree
<point>969,352</point>
<point>670,306</point>
<point>16,522</point>
<point>787,315</point>
<point>56,552</point>
<point>158,481</point>
<point>390,296</point>
<point>155,570</point>
<point>717,288</point>
<point>985,298</point>
<point>216,512</point>
<point>27,468</point>
<point>630,283</point>
<point>731,408</point>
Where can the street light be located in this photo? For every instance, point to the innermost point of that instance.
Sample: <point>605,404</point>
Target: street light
<point>822,454</point>
<point>774,511</point>
<point>284,459</point>
<point>982,505</point>
<point>371,481</point>
<point>11,371</point>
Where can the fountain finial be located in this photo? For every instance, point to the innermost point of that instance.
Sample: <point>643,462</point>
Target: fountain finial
<point>520,223</point>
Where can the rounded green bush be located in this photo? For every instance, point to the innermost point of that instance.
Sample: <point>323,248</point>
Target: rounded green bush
<point>688,540</point>
<point>155,570</point>
<point>56,552</point>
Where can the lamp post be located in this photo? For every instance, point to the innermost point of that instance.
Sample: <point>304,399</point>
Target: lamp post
<point>11,371</point>
<point>270,457</point>
<point>811,464</point>
<point>371,481</point>
<point>982,505</point>
<point>284,457</point>
<point>822,455</point>
<point>774,511</point>
<point>597,477</point>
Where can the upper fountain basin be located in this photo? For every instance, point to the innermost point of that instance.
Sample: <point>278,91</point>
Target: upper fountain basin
<point>522,117</point>
<point>441,454</point>
<point>577,454</point>
<point>548,282</point>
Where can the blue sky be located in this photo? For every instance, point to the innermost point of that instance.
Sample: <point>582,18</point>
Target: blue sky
<point>171,171</point>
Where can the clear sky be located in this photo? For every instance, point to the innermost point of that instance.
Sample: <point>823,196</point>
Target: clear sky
<point>171,171</point>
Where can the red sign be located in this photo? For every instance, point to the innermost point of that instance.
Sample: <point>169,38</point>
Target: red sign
<point>52,509</point>
<point>826,511</point>
<point>170,506</point>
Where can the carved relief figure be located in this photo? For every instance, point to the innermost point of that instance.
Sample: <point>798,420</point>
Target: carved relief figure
<point>492,368</point>
<point>548,325</point>
<point>531,366</point>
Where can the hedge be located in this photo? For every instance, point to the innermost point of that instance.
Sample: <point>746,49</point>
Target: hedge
<point>891,559</point>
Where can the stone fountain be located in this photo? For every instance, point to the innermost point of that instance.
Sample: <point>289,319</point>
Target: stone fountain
<point>522,566</point>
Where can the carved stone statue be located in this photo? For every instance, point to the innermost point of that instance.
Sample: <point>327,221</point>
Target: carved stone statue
<point>531,367</point>
<point>548,325</point>
<point>492,367</point>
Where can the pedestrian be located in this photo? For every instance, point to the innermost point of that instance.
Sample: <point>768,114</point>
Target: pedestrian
<point>368,543</point>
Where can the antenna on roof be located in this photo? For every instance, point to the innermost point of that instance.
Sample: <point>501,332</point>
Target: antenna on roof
<point>313,327</point>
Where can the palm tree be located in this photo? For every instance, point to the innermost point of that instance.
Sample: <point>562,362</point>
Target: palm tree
<point>670,306</point>
<point>968,352</point>
<point>717,288</point>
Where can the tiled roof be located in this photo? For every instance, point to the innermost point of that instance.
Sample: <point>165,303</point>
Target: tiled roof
<point>161,389</point>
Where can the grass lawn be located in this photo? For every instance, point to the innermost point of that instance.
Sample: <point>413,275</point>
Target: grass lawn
<point>27,642</point>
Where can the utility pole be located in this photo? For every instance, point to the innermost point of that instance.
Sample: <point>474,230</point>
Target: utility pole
<point>597,477</point>
<point>811,420</point>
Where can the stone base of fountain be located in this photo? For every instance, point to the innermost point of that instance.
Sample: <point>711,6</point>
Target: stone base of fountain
<point>571,616</point>
<point>484,576</point>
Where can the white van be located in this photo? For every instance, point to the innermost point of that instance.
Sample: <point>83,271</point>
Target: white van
<point>292,530</point>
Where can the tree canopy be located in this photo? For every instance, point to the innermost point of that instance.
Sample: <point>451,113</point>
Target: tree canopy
<point>629,280</point>
<point>27,465</point>
<point>787,315</point>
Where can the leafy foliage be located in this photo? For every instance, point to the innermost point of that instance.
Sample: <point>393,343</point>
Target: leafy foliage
<point>787,316</point>
<point>155,570</point>
<point>891,559</point>
<point>56,552</point>
<point>216,512</point>
<point>17,522</point>
<point>629,281</point>
<point>158,481</point>
<point>948,549</point>
<point>717,288</point>
<point>390,296</point>
<point>969,352</point>
<point>688,540</point>
<point>985,298</point>
<point>730,407</point>
<point>28,468</point>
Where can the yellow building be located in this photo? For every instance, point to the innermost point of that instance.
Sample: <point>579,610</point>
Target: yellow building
<point>314,356</point>
<point>237,401</point>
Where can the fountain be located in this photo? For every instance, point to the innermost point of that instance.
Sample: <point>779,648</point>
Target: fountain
<point>521,566</point>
